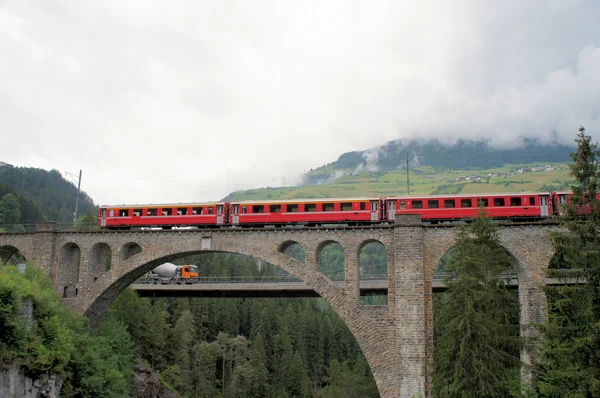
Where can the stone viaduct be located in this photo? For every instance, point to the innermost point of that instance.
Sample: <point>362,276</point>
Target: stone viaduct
<point>396,339</point>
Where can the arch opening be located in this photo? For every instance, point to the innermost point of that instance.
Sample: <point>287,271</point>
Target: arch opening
<point>495,307</point>
<point>293,249</point>
<point>331,260</point>
<point>129,250</point>
<point>300,322</point>
<point>373,273</point>
<point>99,261</point>
<point>68,276</point>
<point>10,255</point>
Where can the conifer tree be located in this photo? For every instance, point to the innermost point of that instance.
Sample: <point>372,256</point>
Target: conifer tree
<point>477,333</point>
<point>570,363</point>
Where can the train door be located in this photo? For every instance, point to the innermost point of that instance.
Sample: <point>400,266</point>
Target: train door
<point>103,218</point>
<point>562,201</point>
<point>235,214</point>
<point>544,206</point>
<point>374,210</point>
<point>391,208</point>
<point>219,214</point>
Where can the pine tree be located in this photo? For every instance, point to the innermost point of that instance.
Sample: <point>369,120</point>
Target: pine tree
<point>477,333</point>
<point>570,364</point>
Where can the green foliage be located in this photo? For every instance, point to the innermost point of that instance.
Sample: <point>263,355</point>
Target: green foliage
<point>58,340</point>
<point>280,348</point>
<point>570,364</point>
<point>476,330</point>
<point>88,221</point>
<point>10,213</point>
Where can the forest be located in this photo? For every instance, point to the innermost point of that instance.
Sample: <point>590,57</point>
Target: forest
<point>29,195</point>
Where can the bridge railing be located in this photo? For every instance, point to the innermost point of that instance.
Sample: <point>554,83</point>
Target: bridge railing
<point>442,276</point>
<point>259,279</point>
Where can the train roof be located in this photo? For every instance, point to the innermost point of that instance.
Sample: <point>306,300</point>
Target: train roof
<point>302,200</point>
<point>183,204</point>
<point>472,195</point>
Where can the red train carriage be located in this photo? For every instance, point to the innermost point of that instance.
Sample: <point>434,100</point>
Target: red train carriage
<point>305,211</point>
<point>165,215</point>
<point>559,198</point>
<point>437,208</point>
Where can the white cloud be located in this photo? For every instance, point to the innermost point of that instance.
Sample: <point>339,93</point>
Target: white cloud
<point>190,100</point>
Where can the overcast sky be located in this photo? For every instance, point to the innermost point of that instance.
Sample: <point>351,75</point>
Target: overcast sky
<point>170,101</point>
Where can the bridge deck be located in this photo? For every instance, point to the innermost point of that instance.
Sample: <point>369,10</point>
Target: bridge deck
<point>282,287</point>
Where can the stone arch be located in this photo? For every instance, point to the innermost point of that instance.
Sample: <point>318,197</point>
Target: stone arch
<point>331,260</point>
<point>69,261</point>
<point>373,345</point>
<point>128,250</point>
<point>371,327</point>
<point>99,261</point>
<point>10,254</point>
<point>293,249</point>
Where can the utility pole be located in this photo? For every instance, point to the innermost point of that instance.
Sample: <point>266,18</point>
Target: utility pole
<point>407,180</point>
<point>77,200</point>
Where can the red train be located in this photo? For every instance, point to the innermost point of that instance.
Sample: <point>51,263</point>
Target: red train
<point>351,211</point>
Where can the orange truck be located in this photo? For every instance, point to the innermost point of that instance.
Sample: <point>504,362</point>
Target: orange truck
<point>172,274</point>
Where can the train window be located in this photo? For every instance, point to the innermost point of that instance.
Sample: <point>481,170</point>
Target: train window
<point>433,204</point>
<point>167,212</point>
<point>482,202</point>
<point>111,213</point>
<point>137,212</point>
<point>346,206</point>
<point>515,201</point>
<point>292,208</point>
<point>449,203</point>
<point>244,209</point>
<point>531,201</point>
<point>466,203</point>
<point>103,212</point>
<point>182,211</point>
<point>310,207</point>
<point>374,206</point>
<point>275,208</point>
<point>327,206</point>
<point>123,212</point>
<point>152,212</point>
<point>499,202</point>
<point>258,209</point>
<point>417,204</point>
<point>363,206</point>
<point>402,205</point>
<point>219,209</point>
<point>196,210</point>
<point>210,210</point>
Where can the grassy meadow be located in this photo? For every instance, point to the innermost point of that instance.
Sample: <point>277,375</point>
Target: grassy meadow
<point>425,181</point>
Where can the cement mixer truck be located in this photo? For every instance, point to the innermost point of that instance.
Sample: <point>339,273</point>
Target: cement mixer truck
<point>169,273</point>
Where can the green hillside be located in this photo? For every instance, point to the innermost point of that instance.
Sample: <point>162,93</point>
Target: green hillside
<point>36,195</point>
<point>435,168</point>
<point>426,180</point>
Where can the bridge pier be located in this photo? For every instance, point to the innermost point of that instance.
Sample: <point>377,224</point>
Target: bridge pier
<point>411,308</point>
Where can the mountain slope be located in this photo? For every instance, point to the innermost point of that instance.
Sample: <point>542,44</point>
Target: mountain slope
<point>435,168</point>
<point>43,195</point>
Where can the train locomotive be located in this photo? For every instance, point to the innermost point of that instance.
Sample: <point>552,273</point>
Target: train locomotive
<point>532,206</point>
